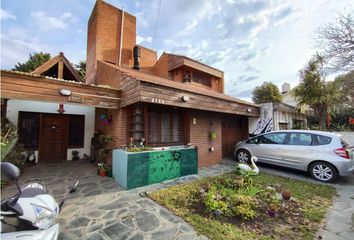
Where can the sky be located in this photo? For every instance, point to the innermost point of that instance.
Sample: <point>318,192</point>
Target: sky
<point>251,41</point>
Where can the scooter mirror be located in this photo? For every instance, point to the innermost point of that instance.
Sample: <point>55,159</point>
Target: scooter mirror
<point>9,172</point>
<point>73,189</point>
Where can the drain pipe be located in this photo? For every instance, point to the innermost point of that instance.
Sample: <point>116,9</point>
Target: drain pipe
<point>121,39</point>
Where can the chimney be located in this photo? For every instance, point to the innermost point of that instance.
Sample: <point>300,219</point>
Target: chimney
<point>285,88</point>
<point>105,41</point>
<point>136,54</point>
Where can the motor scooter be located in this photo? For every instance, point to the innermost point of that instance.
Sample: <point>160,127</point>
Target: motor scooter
<point>30,214</point>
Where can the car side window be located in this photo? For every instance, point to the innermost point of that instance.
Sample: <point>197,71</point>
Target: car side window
<point>323,140</point>
<point>253,140</point>
<point>272,138</point>
<point>300,139</point>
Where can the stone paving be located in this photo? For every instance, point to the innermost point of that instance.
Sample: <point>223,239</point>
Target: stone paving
<point>59,176</point>
<point>127,215</point>
<point>101,209</point>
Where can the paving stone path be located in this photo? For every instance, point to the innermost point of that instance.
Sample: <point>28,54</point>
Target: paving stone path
<point>126,215</point>
<point>101,209</point>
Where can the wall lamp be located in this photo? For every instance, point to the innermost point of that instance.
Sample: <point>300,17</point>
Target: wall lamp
<point>185,98</point>
<point>65,92</point>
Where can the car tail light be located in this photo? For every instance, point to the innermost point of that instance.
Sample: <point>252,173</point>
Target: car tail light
<point>342,152</point>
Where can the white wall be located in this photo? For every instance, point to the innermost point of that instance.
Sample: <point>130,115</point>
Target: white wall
<point>264,123</point>
<point>349,136</point>
<point>14,106</point>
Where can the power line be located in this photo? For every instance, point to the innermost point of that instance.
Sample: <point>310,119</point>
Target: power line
<point>157,24</point>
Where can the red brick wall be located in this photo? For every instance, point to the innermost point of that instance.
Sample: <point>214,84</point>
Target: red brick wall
<point>103,38</point>
<point>199,136</point>
<point>161,67</point>
<point>148,58</point>
<point>91,48</point>
<point>116,129</point>
<point>107,75</point>
<point>129,39</point>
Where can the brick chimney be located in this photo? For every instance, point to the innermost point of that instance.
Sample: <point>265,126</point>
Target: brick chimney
<point>104,38</point>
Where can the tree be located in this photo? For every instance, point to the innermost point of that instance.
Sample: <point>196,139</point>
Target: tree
<point>346,83</point>
<point>81,68</point>
<point>267,92</point>
<point>33,62</point>
<point>315,92</point>
<point>336,40</point>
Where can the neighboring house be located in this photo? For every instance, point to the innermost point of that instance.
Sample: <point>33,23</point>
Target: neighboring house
<point>289,98</point>
<point>131,95</point>
<point>277,116</point>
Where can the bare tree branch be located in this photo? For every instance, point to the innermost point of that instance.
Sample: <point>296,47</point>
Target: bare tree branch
<point>336,40</point>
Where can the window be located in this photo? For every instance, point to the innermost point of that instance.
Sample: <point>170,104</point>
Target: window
<point>202,78</point>
<point>76,131</point>
<point>165,128</point>
<point>28,127</point>
<point>283,126</point>
<point>300,139</point>
<point>322,140</point>
<point>253,140</point>
<point>272,138</point>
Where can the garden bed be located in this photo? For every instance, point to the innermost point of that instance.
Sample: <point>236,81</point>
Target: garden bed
<point>235,207</point>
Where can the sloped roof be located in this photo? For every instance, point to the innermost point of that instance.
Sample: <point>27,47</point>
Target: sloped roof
<point>52,65</point>
<point>150,78</point>
<point>31,74</point>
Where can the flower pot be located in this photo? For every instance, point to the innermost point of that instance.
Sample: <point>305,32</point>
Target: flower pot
<point>109,173</point>
<point>271,213</point>
<point>286,195</point>
<point>212,136</point>
<point>102,173</point>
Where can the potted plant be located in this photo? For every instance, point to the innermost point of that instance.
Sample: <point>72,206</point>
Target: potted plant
<point>212,135</point>
<point>75,154</point>
<point>102,169</point>
<point>286,194</point>
<point>273,207</point>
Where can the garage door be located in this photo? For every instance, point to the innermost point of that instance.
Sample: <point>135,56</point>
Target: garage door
<point>234,129</point>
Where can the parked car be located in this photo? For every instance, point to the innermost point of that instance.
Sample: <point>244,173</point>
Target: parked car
<point>324,155</point>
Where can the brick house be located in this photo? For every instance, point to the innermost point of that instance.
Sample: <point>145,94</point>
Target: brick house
<point>172,100</point>
<point>166,101</point>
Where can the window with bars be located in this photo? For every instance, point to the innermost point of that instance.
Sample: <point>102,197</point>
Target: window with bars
<point>165,128</point>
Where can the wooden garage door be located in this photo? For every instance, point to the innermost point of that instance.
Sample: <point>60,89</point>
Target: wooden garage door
<point>234,129</point>
<point>53,141</point>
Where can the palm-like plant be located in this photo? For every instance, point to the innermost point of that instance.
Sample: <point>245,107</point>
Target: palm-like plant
<point>315,92</point>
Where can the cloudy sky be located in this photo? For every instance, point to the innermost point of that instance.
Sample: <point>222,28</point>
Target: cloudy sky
<point>252,41</point>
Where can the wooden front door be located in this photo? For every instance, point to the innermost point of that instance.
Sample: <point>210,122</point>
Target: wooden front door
<point>234,129</point>
<point>53,141</point>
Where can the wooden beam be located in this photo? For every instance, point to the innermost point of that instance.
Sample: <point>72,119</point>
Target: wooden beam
<point>60,69</point>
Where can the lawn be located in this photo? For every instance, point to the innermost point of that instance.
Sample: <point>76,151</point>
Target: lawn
<point>243,207</point>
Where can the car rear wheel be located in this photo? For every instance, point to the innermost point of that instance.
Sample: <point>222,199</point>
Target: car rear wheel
<point>243,156</point>
<point>323,172</point>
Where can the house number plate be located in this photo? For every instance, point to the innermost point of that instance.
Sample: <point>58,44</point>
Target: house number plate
<point>157,100</point>
<point>75,99</point>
